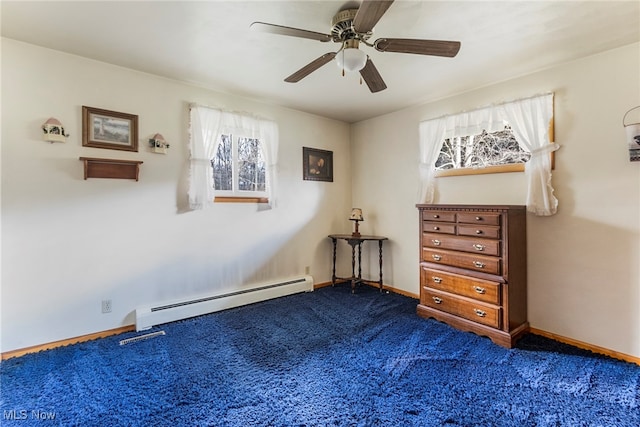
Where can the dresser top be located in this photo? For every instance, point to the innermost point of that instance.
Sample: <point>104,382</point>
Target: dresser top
<point>471,207</point>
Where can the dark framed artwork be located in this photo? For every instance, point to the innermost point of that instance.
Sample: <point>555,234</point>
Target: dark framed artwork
<point>109,129</point>
<point>317,165</point>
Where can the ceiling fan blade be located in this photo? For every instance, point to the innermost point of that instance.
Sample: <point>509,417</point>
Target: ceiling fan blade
<point>310,68</point>
<point>421,47</point>
<point>372,77</point>
<point>369,14</point>
<point>289,31</point>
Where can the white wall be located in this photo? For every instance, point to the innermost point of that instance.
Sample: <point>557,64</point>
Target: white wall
<point>68,243</point>
<point>584,262</point>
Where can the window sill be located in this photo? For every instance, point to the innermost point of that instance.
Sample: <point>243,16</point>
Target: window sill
<point>241,200</point>
<point>480,171</point>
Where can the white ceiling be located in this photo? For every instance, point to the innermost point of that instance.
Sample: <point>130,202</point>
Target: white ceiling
<point>209,43</point>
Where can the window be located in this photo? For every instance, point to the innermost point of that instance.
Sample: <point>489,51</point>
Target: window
<point>239,169</point>
<point>233,158</point>
<point>531,120</point>
<point>484,150</point>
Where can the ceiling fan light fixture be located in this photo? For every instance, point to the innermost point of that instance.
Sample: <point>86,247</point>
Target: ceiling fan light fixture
<point>351,58</point>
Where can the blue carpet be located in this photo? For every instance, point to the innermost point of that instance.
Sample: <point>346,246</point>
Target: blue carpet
<point>326,358</point>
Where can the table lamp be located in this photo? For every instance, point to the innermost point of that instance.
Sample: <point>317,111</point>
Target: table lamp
<point>356,215</point>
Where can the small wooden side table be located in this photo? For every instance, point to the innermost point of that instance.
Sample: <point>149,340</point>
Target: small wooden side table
<point>355,242</point>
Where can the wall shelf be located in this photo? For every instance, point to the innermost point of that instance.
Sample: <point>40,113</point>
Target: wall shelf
<point>111,168</point>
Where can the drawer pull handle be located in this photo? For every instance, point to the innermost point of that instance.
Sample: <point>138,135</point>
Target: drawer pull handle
<point>436,228</point>
<point>435,242</point>
<point>479,313</point>
<point>437,300</point>
<point>436,257</point>
<point>479,289</point>
<point>478,247</point>
<point>478,218</point>
<point>436,216</point>
<point>437,279</point>
<point>478,231</point>
<point>478,264</point>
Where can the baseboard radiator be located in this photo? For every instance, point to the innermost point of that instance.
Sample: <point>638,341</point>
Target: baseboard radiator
<point>149,316</point>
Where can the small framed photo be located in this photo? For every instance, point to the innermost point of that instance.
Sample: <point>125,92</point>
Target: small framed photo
<point>109,129</point>
<point>317,164</point>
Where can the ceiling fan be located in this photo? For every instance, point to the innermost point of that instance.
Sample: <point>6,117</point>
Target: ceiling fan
<point>350,27</point>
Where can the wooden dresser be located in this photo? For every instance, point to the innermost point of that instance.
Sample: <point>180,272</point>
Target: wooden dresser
<point>473,269</point>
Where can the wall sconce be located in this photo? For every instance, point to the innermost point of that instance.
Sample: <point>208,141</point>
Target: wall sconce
<point>158,144</point>
<point>633,136</point>
<point>53,131</point>
<point>356,215</point>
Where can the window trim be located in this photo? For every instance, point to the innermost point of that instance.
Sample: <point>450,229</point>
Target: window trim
<point>240,199</point>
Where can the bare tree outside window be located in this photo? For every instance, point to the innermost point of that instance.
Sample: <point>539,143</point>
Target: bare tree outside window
<point>479,151</point>
<point>222,165</point>
<point>251,165</point>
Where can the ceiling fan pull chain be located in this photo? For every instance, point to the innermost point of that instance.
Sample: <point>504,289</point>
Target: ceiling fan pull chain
<point>360,80</point>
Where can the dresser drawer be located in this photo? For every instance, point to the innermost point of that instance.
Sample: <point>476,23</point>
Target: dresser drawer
<point>439,216</point>
<point>488,231</point>
<point>438,227</point>
<point>481,290</point>
<point>467,244</point>
<point>479,218</point>
<point>483,263</point>
<point>468,309</point>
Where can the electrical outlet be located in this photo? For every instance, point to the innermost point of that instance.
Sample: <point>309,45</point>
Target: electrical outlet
<point>307,269</point>
<point>106,306</point>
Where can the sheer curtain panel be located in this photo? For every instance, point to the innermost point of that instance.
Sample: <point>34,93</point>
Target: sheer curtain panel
<point>431,138</point>
<point>204,137</point>
<point>529,120</point>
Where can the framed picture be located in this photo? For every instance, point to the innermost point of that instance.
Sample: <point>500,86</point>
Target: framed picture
<point>317,164</point>
<point>109,129</point>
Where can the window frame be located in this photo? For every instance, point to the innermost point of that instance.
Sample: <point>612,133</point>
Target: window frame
<point>514,167</point>
<point>235,195</point>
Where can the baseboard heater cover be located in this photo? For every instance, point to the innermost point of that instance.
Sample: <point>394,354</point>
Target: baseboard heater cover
<point>149,316</point>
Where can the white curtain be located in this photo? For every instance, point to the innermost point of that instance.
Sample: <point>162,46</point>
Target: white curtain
<point>269,136</point>
<point>431,139</point>
<point>529,119</point>
<point>205,131</point>
<point>207,125</point>
<point>474,122</point>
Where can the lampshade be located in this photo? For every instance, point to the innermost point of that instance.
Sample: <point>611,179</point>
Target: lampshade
<point>356,215</point>
<point>351,59</point>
